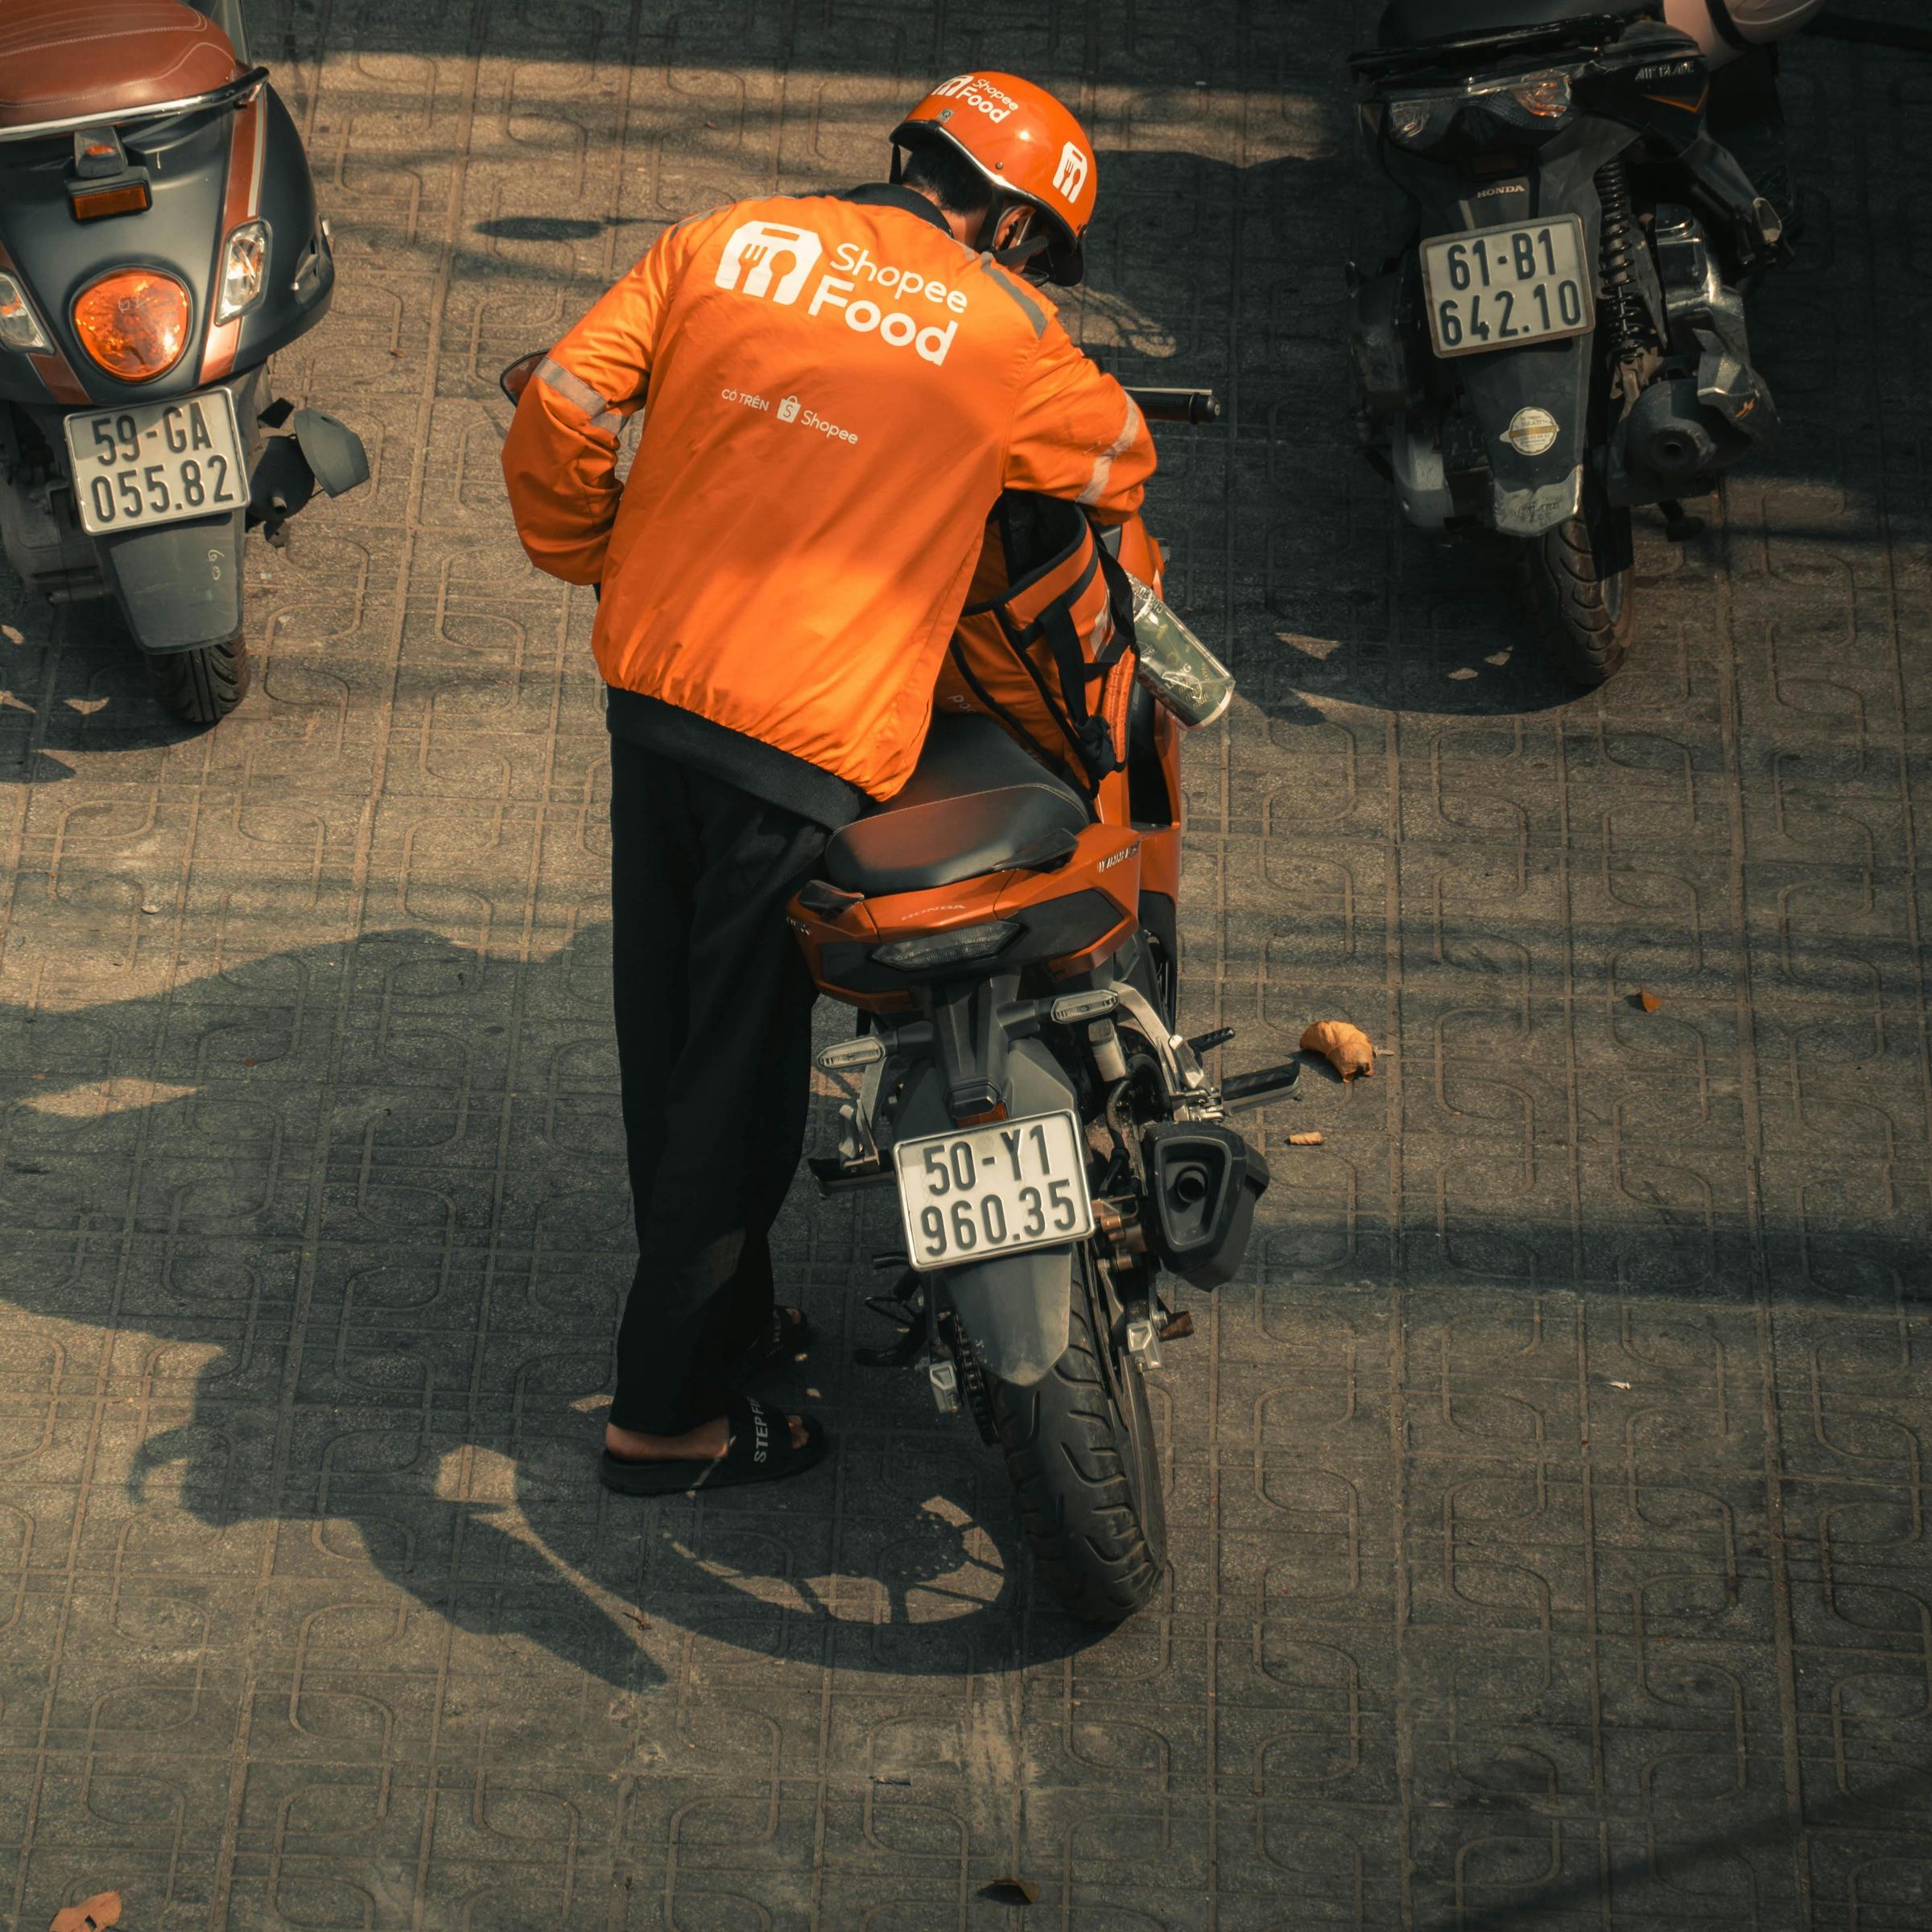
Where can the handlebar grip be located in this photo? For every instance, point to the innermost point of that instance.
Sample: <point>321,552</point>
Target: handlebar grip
<point>1178,405</point>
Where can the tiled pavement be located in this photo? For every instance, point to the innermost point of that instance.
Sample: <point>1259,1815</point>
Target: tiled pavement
<point>1548,1511</point>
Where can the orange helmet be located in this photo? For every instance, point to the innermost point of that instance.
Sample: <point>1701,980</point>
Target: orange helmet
<point>1028,146</point>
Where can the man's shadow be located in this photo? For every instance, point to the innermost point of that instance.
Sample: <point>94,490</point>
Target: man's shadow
<point>394,1343</point>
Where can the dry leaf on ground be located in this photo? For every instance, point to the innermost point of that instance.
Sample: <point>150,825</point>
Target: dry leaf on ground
<point>1311,1138</point>
<point>94,1914</point>
<point>1646,999</point>
<point>1346,1048</point>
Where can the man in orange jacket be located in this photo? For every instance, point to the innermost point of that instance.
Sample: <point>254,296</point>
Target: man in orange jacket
<point>836,388</point>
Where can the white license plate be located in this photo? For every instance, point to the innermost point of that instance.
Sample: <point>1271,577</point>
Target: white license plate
<point>154,463</point>
<point>982,1191</point>
<point>1499,287</point>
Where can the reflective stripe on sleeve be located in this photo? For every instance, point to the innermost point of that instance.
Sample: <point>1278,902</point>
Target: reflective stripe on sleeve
<point>1006,284</point>
<point>1103,464</point>
<point>578,393</point>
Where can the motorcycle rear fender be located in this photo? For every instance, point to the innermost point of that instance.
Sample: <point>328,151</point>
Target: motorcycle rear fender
<point>1528,494</point>
<point>179,587</point>
<point>1014,1310</point>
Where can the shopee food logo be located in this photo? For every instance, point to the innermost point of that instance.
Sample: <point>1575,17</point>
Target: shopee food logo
<point>1070,177</point>
<point>995,104</point>
<point>754,250</point>
<point>747,264</point>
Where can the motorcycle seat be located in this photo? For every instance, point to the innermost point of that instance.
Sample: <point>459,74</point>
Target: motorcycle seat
<point>1417,22</point>
<point>976,801</point>
<point>61,62</point>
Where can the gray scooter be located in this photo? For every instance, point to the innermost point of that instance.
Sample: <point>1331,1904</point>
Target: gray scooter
<point>159,242</point>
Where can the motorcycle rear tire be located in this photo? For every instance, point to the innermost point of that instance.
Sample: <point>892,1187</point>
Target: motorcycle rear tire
<point>201,686</point>
<point>1080,1450</point>
<point>1581,591</point>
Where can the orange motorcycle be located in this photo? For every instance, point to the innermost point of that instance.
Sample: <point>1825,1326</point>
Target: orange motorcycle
<point>1006,929</point>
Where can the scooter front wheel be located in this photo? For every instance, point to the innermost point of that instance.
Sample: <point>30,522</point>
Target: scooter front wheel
<point>1079,1448</point>
<point>203,686</point>
<point>1581,592</point>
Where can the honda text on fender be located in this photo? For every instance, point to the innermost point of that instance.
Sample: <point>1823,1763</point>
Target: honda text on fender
<point>158,241</point>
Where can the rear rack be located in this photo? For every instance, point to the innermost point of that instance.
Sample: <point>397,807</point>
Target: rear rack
<point>237,93</point>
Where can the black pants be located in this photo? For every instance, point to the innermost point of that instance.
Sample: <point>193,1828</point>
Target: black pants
<point>714,1053</point>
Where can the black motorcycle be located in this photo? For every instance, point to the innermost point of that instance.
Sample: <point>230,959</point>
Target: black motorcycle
<point>1561,336</point>
<point>158,241</point>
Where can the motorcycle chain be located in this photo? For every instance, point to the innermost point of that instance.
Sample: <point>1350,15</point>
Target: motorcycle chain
<point>973,1392</point>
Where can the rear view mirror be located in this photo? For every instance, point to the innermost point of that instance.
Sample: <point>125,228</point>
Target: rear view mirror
<point>516,379</point>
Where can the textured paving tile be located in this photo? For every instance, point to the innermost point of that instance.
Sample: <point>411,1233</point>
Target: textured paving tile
<point>1547,1499</point>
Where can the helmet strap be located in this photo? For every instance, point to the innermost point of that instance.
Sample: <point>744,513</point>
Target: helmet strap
<point>1022,251</point>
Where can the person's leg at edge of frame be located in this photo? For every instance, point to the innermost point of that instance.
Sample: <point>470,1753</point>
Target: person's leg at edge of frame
<point>713,1028</point>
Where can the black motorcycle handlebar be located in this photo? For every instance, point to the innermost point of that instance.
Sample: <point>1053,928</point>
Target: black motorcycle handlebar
<point>1178,405</point>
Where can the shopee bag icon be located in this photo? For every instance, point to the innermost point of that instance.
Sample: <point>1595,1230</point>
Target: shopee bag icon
<point>788,410</point>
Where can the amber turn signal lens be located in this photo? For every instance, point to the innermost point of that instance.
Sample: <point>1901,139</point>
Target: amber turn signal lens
<point>134,322</point>
<point>91,203</point>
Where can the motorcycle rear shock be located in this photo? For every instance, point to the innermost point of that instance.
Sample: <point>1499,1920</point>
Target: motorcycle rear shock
<point>1623,305</point>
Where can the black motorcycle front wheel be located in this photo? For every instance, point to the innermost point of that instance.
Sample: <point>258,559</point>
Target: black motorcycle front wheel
<point>1580,592</point>
<point>1080,1450</point>
<point>201,686</point>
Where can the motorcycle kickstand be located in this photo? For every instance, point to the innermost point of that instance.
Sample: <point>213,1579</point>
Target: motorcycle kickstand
<point>905,1306</point>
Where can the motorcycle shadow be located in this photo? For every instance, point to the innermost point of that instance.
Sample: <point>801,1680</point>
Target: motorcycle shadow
<point>313,1403</point>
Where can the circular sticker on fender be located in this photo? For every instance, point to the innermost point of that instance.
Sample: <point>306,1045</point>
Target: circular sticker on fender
<point>1531,430</point>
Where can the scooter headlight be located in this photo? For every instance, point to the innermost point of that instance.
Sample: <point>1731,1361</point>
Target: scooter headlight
<point>18,326</point>
<point>243,270</point>
<point>134,322</point>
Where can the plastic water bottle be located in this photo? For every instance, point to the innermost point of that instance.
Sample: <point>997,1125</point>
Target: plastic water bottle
<point>1176,665</point>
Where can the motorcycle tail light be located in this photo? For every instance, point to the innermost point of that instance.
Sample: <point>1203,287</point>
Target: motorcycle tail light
<point>1409,121</point>
<point>243,270</point>
<point>134,322</point>
<point>19,330</point>
<point>1546,95</point>
<point>953,948</point>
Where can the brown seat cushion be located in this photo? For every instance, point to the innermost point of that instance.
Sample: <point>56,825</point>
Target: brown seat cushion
<point>59,60</point>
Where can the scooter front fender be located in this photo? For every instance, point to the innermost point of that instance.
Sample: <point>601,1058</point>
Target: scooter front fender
<point>1014,1310</point>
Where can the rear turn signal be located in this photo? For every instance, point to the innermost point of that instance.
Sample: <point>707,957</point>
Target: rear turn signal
<point>134,322</point>
<point>95,204</point>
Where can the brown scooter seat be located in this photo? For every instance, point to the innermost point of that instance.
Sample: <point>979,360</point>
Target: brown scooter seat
<point>60,60</point>
<point>976,802</point>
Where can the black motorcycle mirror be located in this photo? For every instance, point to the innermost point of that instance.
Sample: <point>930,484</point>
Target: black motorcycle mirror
<point>516,379</point>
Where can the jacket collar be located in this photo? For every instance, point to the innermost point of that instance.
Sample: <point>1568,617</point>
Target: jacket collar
<point>889,194</point>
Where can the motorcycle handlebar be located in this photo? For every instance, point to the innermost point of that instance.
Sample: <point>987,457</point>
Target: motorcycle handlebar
<point>1178,405</point>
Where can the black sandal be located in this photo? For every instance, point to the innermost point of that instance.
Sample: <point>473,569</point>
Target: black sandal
<point>791,1331</point>
<point>759,1451</point>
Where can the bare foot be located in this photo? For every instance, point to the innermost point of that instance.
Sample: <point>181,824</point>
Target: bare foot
<point>704,1444</point>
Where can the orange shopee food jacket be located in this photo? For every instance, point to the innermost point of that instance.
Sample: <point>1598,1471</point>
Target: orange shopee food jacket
<point>837,393</point>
